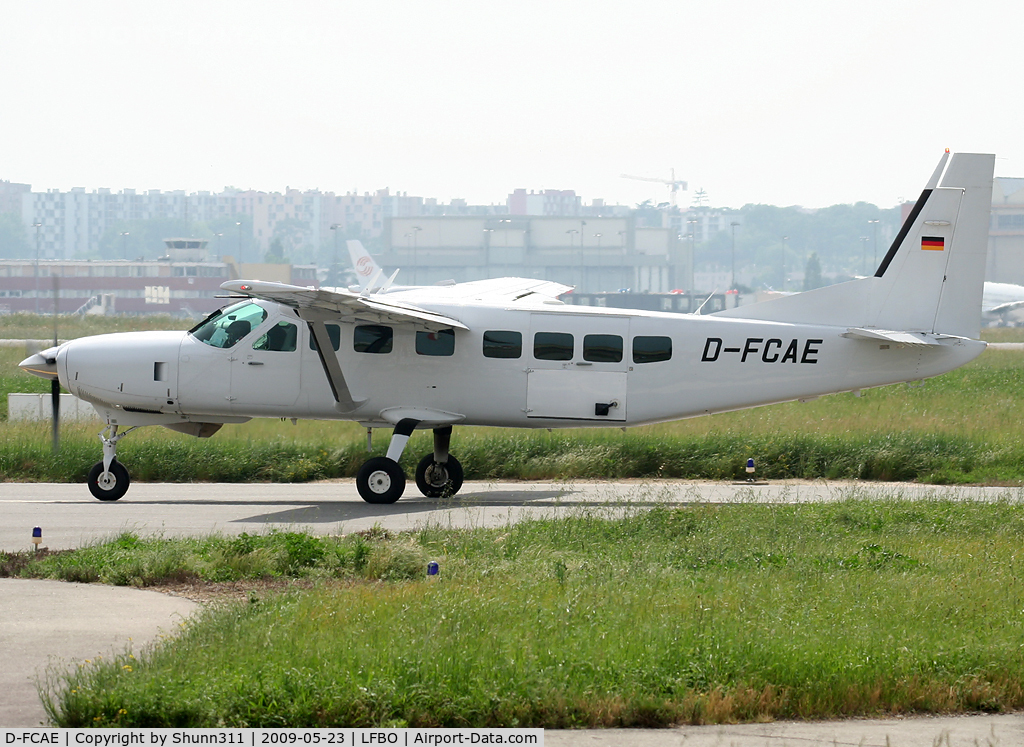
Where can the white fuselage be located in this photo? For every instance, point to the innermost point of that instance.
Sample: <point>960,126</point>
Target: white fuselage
<point>687,365</point>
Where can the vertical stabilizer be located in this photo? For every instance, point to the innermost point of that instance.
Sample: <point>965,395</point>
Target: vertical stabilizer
<point>362,262</point>
<point>960,302</point>
<point>932,277</point>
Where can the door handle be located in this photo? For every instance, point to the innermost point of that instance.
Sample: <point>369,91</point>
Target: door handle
<point>254,363</point>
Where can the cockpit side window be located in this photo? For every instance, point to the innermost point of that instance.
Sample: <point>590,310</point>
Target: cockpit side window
<point>236,322</point>
<point>281,337</point>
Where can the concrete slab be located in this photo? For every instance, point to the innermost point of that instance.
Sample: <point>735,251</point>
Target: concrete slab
<point>1000,730</point>
<point>52,625</point>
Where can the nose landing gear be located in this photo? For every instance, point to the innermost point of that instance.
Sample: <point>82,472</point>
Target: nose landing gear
<point>108,480</point>
<point>382,480</point>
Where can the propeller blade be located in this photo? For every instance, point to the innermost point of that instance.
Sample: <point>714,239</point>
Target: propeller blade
<point>55,403</point>
<point>55,383</point>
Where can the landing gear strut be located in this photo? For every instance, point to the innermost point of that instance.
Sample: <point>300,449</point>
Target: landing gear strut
<point>109,480</point>
<point>382,480</point>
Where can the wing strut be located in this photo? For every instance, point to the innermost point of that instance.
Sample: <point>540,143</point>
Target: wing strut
<point>335,377</point>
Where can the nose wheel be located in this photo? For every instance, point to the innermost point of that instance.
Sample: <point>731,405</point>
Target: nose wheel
<point>108,484</point>
<point>108,480</point>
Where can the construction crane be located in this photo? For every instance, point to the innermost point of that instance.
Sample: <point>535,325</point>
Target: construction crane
<point>674,185</point>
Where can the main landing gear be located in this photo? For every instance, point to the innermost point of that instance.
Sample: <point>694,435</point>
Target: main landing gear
<point>109,480</point>
<point>382,480</point>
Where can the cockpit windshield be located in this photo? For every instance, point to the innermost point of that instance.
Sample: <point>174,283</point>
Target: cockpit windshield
<point>231,325</point>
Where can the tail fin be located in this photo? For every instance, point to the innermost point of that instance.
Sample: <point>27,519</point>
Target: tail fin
<point>931,279</point>
<point>364,265</point>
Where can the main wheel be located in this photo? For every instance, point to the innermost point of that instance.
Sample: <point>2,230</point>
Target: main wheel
<point>435,480</point>
<point>108,486</point>
<point>380,480</point>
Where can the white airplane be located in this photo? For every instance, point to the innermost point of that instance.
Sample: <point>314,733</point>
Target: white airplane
<point>506,352</point>
<point>1000,300</point>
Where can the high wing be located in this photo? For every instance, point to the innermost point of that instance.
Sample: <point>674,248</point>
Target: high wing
<point>399,307</point>
<point>344,305</point>
<point>498,291</point>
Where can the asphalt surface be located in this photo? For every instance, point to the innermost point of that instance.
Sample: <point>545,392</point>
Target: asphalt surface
<point>46,626</point>
<point>70,517</point>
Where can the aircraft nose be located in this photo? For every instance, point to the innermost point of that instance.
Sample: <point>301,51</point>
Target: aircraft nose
<point>43,364</point>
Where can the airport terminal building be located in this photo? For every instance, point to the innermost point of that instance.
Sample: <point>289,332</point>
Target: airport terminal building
<point>184,281</point>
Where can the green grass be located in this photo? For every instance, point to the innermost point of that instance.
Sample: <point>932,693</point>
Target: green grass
<point>130,560</point>
<point>705,614</point>
<point>40,326</point>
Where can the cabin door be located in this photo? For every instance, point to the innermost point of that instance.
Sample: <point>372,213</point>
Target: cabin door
<point>266,370</point>
<point>578,367</point>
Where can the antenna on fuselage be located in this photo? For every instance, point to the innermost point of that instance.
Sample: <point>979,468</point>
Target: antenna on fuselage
<point>706,301</point>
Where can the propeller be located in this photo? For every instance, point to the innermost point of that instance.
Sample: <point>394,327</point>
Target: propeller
<point>55,383</point>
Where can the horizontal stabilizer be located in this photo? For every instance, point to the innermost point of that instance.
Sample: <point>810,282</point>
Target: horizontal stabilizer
<point>911,339</point>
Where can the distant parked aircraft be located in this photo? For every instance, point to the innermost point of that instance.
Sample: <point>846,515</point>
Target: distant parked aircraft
<point>1000,301</point>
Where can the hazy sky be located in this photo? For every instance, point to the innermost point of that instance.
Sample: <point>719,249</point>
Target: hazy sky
<point>807,102</point>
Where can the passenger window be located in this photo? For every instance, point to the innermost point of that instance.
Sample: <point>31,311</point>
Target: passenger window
<point>602,348</point>
<point>226,329</point>
<point>436,343</point>
<point>281,337</point>
<point>372,338</point>
<point>334,332</point>
<point>651,349</point>
<point>503,344</point>
<point>552,346</point>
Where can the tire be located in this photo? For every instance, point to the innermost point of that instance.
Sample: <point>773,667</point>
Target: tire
<point>380,480</point>
<point>111,485</point>
<point>436,480</point>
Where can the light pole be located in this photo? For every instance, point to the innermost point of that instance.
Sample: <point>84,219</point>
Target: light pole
<point>583,260</point>
<point>733,225</point>
<point>37,226</point>
<point>415,257</point>
<point>572,244</point>
<point>124,244</point>
<point>784,240</point>
<point>487,250</point>
<point>863,253</point>
<point>624,274</point>
<point>692,223</point>
<point>875,226</point>
<point>239,224</point>
<point>334,262</point>
<point>218,236</point>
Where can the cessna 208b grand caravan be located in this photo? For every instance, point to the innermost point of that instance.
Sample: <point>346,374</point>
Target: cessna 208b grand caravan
<point>506,352</point>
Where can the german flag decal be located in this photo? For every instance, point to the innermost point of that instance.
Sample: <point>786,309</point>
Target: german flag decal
<point>935,243</point>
